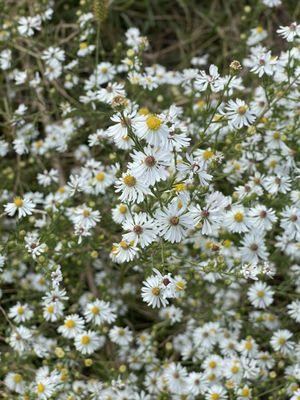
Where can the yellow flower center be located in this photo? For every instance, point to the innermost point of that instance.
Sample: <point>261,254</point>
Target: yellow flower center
<point>207,154</point>
<point>235,369</point>
<point>38,144</point>
<point>153,123</point>
<point>20,310</point>
<point>86,213</point>
<point>83,45</point>
<point>129,180</point>
<point>122,208</point>
<point>272,163</point>
<point>259,29</point>
<point>18,202</point>
<point>260,293</point>
<point>95,310</point>
<point>245,392</point>
<point>236,166</point>
<point>70,324</point>
<point>143,111</point>
<point>17,378</point>
<point>211,377</point>
<point>155,291</point>
<point>142,338</point>
<point>50,309</point>
<point>85,340</point>
<point>212,364</point>
<point>200,103</point>
<point>100,176</point>
<point>239,217</point>
<point>215,396</point>
<point>40,388</point>
<point>248,345</point>
<point>179,187</point>
<point>276,135</point>
<point>242,110</point>
<point>124,245</point>
<point>61,190</point>
<point>281,341</point>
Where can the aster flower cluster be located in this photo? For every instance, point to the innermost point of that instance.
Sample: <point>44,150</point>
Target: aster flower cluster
<point>150,218</point>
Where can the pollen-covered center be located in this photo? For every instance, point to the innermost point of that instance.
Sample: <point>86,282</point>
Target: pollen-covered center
<point>40,388</point>
<point>153,123</point>
<point>95,310</point>
<point>70,324</point>
<point>124,245</point>
<point>86,213</point>
<point>239,217</point>
<point>100,176</point>
<point>20,310</point>
<point>18,202</point>
<point>85,340</point>
<point>123,208</point>
<point>207,154</point>
<point>17,378</point>
<point>129,180</point>
<point>155,291</point>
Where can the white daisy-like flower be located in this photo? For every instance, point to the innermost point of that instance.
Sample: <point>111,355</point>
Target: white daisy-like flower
<point>289,33</point>
<point>173,223</point>
<point>211,80</point>
<point>98,312</point>
<point>216,392</point>
<point>151,165</point>
<point>87,342</point>
<point>15,382</point>
<point>20,312</point>
<point>124,251</point>
<point>120,336</point>
<point>260,295</point>
<point>294,310</point>
<point>281,342</point>
<point>23,206</point>
<point>73,324</point>
<point>152,128</point>
<point>120,213</point>
<point>239,114</point>
<point>153,292</point>
<point>101,181</point>
<point>20,339</point>
<point>237,220</point>
<point>133,188</point>
<point>262,218</point>
<point>253,248</point>
<point>85,217</point>
<point>141,229</point>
